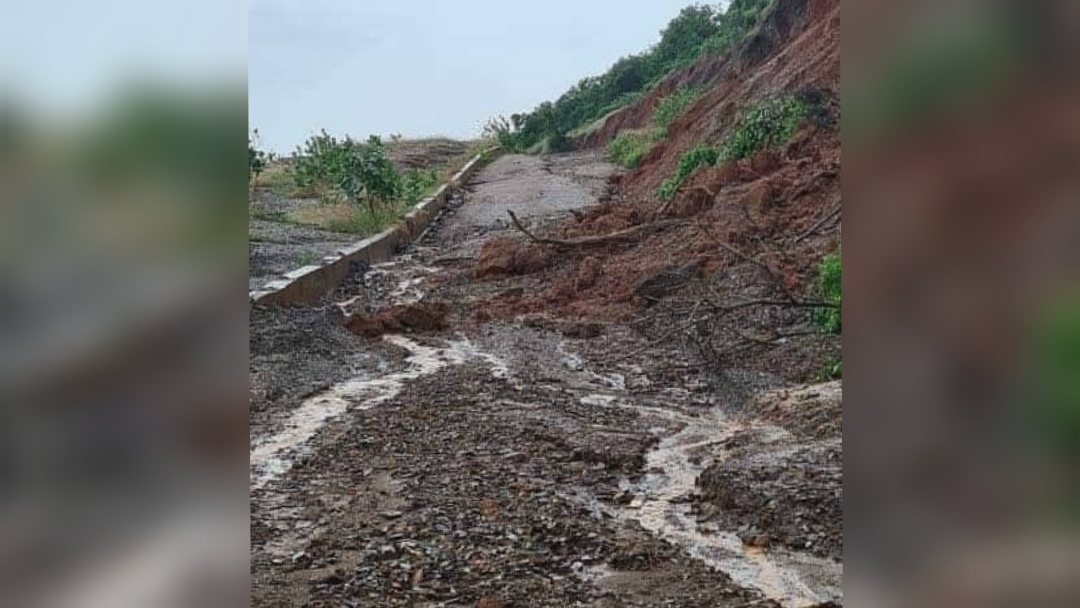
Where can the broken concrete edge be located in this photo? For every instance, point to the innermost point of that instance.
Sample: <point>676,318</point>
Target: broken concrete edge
<point>308,285</point>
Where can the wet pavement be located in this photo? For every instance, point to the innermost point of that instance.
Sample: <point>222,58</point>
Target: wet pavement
<point>504,463</point>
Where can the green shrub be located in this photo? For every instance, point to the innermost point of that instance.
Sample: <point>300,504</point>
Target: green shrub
<point>690,160</point>
<point>415,183</point>
<point>671,106</point>
<point>829,288</point>
<point>736,23</point>
<point>629,147</point>
<point>764,124</point>
<point>356,170</point>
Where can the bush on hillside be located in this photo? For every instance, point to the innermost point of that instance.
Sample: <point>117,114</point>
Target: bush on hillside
<point>671,106</point>
<point>765,124</point>
<point>629,147</point>
<point>740,17</point>
<point>690,160</point>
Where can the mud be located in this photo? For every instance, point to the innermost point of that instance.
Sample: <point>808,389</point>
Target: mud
<point>525,460</point>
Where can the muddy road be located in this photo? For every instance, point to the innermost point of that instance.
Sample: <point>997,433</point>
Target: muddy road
<point>530,461</point>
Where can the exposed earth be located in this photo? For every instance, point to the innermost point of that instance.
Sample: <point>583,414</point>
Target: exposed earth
<point>428,437</point>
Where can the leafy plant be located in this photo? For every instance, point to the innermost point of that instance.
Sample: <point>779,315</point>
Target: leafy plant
<point>737,21</point>
<point>829,288</point>
<point>629,147</point>
<point>767,123</point>
<point>689,161</point>
<point>356,170</point>
<point>415,183</point>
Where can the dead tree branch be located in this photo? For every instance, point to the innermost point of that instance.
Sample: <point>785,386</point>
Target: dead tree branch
<point>629,235</point>
<point>817,225</point>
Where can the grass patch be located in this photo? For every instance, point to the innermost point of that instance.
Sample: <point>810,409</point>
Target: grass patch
<point>671,106</point>
<point>275,177</point>
<point>629,147</point>
<point>832,370</point>
<point>356,220</point>
<point>829,289</point>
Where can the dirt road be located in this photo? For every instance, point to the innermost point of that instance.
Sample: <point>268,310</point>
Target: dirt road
<point>527,462</point>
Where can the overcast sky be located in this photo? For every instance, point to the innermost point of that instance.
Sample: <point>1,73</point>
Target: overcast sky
<point>63,56</point>
<point>427,67</point>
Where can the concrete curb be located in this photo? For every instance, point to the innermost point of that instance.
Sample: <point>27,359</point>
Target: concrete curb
<point>308,285</point>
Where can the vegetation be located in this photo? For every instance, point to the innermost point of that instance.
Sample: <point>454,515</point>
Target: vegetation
<point>257,159</point>
<point>358,171</point>
<point>690,160</point>
<point>765,124</point>
<point>671,106</point>
<point>695,30</point>
<point>415,183</point>
<point>768,123</point>
<point>829,287</point>
<point>833,369</point>
<point>629,147</point>
<point>740,17</point>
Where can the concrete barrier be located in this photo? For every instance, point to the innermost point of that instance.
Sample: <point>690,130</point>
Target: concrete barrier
<point>310,284</point>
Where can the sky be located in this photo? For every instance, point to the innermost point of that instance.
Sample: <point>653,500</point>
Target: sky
<point>427,67</point>
<point>70,56</point>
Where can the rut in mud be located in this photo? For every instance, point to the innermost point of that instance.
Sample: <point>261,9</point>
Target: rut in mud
<point>527,461</point>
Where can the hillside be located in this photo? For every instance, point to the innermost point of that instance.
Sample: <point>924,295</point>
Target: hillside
<point>753,228</point>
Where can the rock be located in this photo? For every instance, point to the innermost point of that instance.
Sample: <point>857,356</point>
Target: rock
<point>503,256</point>
<point>496,258</point>
<point>414,317</point>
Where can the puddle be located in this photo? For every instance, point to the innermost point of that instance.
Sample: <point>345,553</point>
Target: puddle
<point>274,456</point>
<point>793,579</point>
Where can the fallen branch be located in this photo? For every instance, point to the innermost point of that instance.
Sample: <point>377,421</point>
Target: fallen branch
<point>755,261</point>
<point>629,235</point>
<point>832,214</point>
